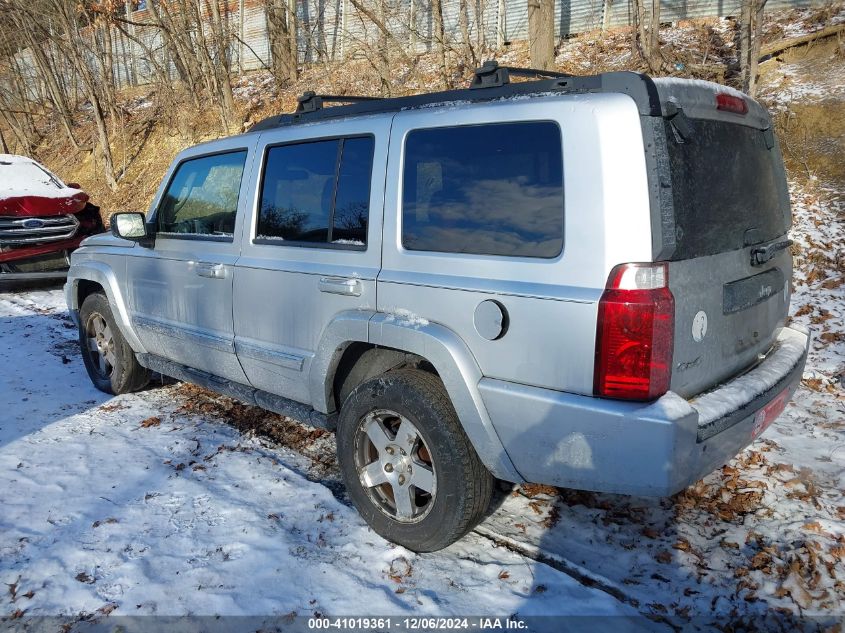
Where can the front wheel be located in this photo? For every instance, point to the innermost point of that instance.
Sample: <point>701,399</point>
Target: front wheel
<point>409,468</point>
<point>110,362</point>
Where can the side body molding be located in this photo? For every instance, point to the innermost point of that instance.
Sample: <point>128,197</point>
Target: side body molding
<point>440,346</point>
<point>102,274</point>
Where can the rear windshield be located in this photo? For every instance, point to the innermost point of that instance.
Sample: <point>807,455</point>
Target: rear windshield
<point>729,189</point>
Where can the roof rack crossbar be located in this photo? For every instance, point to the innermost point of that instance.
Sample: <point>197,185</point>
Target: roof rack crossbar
<point>310,108</point>
<point>491,75</point>
<point>311,102</point>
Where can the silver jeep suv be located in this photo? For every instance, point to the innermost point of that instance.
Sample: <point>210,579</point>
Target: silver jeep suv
<point>579,281</point>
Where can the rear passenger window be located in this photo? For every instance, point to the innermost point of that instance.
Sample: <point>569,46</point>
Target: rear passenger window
<point>202,197</point>
<point>317,193</point>
<point>494,189</point>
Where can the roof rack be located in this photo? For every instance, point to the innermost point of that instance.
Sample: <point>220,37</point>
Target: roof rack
<point>491,82</point>
<point>311,102</point>
<point>491,75</point>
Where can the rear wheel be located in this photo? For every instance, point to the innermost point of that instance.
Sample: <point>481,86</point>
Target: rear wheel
<point>409,467</point>
<point>110,362</point>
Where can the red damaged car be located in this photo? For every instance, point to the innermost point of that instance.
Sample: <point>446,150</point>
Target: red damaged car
<point>41,220</point>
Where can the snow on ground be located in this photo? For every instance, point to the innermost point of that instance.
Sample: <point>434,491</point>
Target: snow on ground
<point>178,501</point>
<point>143,504</point>
<point>765,534</point>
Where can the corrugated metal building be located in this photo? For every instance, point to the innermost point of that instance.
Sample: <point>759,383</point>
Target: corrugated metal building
<point>334,29</point>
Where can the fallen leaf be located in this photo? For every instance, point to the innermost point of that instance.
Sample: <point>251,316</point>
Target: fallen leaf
<point>794,586</point>
<point>664,557</point>
<point>503,575</point>
<point>149,422</point>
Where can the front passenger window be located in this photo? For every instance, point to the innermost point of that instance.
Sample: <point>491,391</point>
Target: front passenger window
<point>202,197</point>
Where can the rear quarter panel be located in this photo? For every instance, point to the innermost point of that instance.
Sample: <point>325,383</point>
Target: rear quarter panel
<point>551,303</point>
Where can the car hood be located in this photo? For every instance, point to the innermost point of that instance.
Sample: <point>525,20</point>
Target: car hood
<point>34,206</point>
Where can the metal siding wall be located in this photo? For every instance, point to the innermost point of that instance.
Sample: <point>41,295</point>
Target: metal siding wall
<point>577,16</point>
<point>516,20</point>
<point>255,34</point>
<point>571,16</point>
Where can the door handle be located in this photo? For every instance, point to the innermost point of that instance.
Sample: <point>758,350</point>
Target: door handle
<point>213,271</point>
<point>340,286</point>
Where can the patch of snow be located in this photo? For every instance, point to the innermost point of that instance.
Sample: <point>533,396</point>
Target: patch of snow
<point>405,317</point>
<point>670,406</point>
<point>740,391</point>
<point>349,242</point>
<point>713,87</point>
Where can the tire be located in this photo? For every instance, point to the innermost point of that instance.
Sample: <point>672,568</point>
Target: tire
<point>109,361</point>
<point>438,455</point>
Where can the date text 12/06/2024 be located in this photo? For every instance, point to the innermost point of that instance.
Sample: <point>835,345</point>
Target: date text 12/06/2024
<point>417,624</point>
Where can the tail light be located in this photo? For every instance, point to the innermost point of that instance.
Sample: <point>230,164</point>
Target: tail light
<point>731,103</point>
<point>635,332</point>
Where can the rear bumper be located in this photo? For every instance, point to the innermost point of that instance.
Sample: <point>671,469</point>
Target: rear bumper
<point>652,449</point>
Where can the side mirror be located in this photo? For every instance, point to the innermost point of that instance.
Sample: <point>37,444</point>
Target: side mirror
<point>130,226</point>
<point>73,185</point>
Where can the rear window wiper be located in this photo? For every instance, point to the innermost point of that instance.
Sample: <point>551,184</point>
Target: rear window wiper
<point>761,254</point>
<point>681,126</point>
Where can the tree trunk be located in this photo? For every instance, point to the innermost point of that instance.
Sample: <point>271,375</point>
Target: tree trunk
<point>541,33</point>
<point>756,42</point>
<point>383,55</point>
<point>750,35</point>
<point>470,60</point>
<point>645,33</point>
<point>439,37</point>
<point>654,56</point>
<point>4,149</point>
<point>103,135</point>
<point>222,68</point>
<point>281,31</point>
<point>744,41</point>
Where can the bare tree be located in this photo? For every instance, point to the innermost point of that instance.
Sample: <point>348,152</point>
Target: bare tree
<point>645,32</point>
<point>750,36</point>
<point>439,40</point>
<point>541,33</point>
<point>469,55</point>
<point>281,29</point>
